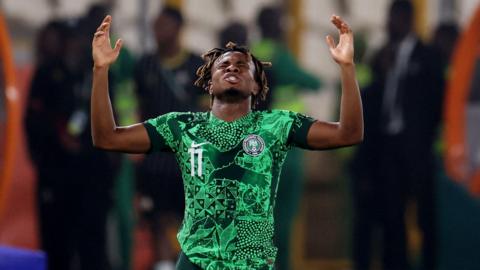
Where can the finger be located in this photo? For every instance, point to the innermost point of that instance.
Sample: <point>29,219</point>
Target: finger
<point>330,42</point>
<point>107,18</point>
<point>102,26</point>
<point>118,46</point>
<point>107,28</point>
<point>341,25</point>
<point>337,21</point>
<point>98,34</point>
<point>345,28</point>
<point>105,25</point>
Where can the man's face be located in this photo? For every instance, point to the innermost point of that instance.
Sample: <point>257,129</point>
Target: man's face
<point>399,24</point>
<point>166,29</point>
<point>233,74</point>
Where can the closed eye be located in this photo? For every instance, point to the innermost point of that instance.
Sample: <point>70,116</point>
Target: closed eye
<point>242,64</point>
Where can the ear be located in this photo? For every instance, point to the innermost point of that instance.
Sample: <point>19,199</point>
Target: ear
<point>209,87</point>
<point>256,89</point>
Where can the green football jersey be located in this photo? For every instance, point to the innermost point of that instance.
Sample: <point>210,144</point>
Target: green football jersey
<point>230,174</point>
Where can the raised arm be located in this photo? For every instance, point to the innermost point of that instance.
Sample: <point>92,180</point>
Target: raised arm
<point>105,133</point>
<point>349,130</point>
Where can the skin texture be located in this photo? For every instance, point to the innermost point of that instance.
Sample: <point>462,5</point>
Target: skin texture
<point>232,86</point>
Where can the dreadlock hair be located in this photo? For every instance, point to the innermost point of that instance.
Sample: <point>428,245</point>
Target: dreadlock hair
<point>204,72</point>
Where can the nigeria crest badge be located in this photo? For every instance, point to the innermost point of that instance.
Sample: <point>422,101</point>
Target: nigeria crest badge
<point>253,145</point>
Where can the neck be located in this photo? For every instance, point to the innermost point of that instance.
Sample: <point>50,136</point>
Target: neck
<point>168,50</point>
<point>399,38</point>
<point>274,35</point>
<point>231,111</point>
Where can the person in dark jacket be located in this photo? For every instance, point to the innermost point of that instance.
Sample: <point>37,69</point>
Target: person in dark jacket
<point>396,161</point>
<point>74,178</point>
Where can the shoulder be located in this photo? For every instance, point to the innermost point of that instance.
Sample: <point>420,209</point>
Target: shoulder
<point>161,119</point>
<point>265,49</point>
<point>426,57</point>
<point>276,117</point>
<point>194,57</point>
<point>194,60</point>
<point>423,50</point>
<point>191,117</point>
<point>176,122</point>
<point>184,116</point>
<point>287,117</point>
<point>278,114</point>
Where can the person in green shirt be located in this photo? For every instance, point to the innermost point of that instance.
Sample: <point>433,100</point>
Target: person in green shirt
<point>231,156</point>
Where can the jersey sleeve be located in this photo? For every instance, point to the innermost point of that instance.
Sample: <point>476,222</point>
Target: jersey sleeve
<point>161,131</point>
<point>297,136</point>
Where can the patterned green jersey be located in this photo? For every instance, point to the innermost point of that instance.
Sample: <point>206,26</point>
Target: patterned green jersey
<point>230,172</point>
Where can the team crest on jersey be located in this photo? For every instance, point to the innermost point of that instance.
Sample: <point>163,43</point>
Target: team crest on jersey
<point>253,145</point>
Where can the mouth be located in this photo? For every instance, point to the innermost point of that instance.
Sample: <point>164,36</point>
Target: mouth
<point>231,78</point>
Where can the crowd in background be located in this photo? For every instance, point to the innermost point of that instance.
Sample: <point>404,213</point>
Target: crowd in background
<point>402,89</point>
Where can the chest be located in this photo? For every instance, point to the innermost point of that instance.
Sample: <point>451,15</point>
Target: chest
<point>230,152</point>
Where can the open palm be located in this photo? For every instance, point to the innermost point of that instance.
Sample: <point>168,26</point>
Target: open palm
<point>103,53</point>
<point>342,53</point>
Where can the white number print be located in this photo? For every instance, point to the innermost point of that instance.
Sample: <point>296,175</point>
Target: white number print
<point>198,152</point>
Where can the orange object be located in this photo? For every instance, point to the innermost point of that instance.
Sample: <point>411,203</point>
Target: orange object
<point>12,100</point>
<point>464,58</point>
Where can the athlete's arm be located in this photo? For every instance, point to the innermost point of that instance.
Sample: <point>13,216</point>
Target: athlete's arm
<point>349,130</point>
<point>105,133</point>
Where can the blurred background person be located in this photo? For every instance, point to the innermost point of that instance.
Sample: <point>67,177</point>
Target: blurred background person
<point>74,179</point>
<point>444,39</point>
<point>321,239</point>
<point>164,81</point>
<point>396,162</point>
<point>286,79</point>
<point>121,217</point>
<point>235,32</point>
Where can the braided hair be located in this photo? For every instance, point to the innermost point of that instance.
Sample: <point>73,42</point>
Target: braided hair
<point>204,72</point>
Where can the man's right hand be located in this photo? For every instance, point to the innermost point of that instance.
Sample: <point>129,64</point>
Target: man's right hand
<point>102,52</point>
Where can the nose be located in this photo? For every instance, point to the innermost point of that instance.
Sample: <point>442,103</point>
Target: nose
<point>232,68</point>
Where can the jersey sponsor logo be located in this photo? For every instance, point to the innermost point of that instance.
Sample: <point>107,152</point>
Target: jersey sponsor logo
<point>253,145</point>
<point>195,145</point>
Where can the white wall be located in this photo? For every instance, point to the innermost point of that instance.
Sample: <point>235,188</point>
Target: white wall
<point>205,17</point>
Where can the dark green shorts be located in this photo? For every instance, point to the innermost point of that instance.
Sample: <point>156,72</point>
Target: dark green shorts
<point>184,263</point>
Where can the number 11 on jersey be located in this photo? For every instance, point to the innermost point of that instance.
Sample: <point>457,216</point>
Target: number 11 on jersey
<point>198,152</point>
